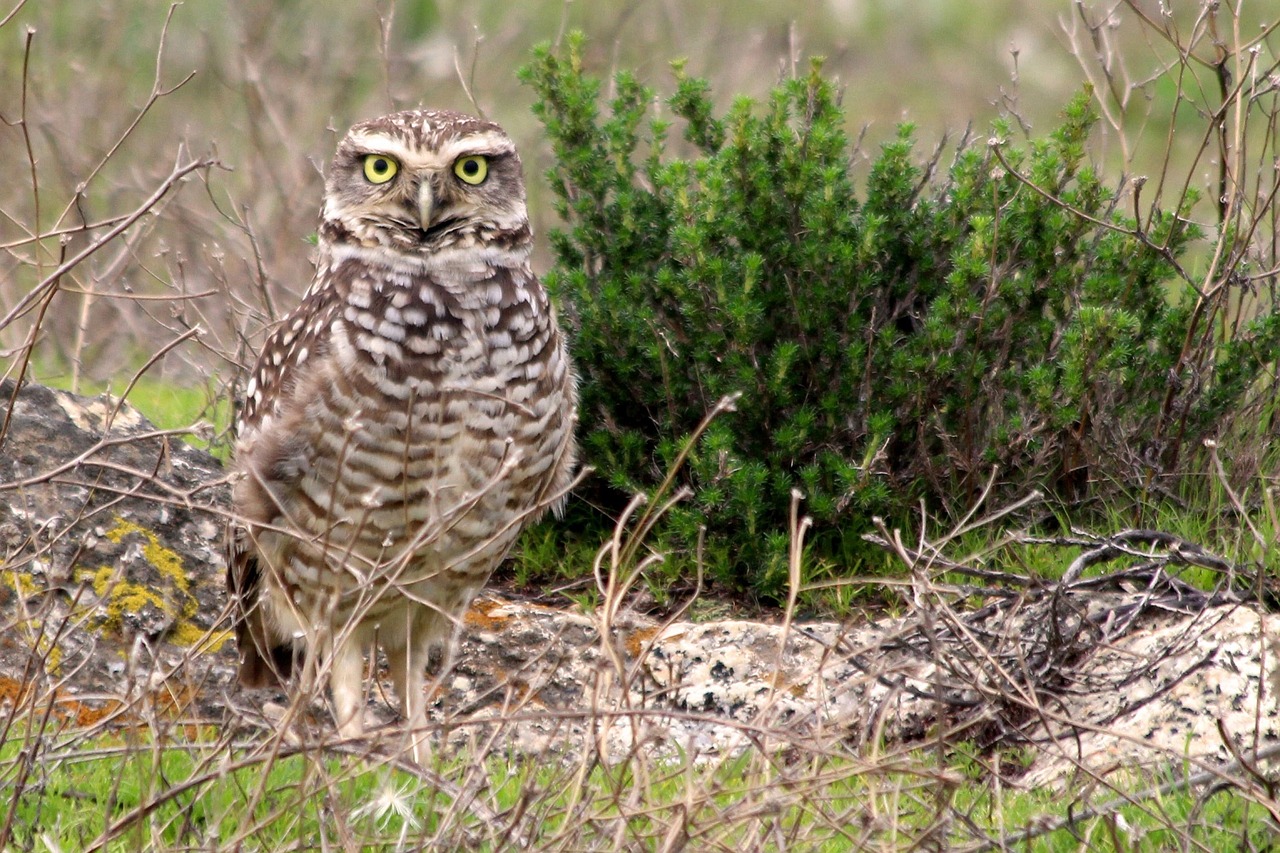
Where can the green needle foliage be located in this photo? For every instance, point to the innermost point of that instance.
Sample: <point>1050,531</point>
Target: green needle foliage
<point>895,342</point>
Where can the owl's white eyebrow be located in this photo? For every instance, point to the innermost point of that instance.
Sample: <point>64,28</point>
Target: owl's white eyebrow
<point>488,143</point>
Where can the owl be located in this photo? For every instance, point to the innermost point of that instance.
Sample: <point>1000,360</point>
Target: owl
<point>405,422</point>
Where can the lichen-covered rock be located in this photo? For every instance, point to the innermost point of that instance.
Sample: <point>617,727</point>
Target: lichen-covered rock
<point>110,543</point>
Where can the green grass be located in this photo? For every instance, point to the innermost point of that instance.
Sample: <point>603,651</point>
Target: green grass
<point>131,794</point>
<point>178,796</point>
<point>169,404</point>
<point>1223,819</point>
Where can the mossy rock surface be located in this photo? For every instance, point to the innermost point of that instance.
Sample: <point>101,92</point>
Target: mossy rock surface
<point>110,541</point>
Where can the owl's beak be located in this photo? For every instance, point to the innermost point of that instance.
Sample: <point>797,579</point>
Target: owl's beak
<point>426,205</point>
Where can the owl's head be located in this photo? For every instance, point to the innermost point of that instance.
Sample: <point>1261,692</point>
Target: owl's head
<point>420,181</point>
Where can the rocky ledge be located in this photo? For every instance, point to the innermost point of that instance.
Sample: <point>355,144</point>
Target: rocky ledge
<point>112,606</point>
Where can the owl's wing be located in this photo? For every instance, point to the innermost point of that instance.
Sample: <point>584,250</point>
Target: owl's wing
<point>301,338</point>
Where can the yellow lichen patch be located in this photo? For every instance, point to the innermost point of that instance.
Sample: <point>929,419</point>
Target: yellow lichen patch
<point>23,583</point>
<point>188,633</point>
<point>34,630</point>
<point>126,597</point>
<point>166,561</point>
<point>52,655</point>
<point>42,644</point>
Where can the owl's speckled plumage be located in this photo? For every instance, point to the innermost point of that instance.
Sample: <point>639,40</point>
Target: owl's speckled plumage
<point>406,420</point>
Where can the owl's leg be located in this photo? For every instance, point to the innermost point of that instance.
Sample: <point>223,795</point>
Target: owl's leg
<point>309,684</point>
<point>346,670</point>
<point>408,671</point>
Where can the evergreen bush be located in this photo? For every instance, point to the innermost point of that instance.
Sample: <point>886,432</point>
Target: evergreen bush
<point>892,345</point>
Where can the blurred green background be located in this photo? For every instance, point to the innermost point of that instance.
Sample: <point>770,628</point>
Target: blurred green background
<point>273,84</point>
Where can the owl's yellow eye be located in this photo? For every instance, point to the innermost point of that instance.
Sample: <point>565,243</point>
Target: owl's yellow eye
<point>473,169</point>
<point>379,168</point>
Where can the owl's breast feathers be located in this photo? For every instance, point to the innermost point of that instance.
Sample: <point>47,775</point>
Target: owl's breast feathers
<point>393,399</point>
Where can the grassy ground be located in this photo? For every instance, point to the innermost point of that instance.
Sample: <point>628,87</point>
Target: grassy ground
<point>201,791</point>
<point>172,783</point>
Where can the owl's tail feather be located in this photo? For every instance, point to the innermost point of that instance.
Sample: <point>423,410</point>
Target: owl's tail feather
<point>264,661</point>
<point>269,667</point>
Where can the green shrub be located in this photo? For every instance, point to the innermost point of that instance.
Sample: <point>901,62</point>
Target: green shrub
<point>891,345</point>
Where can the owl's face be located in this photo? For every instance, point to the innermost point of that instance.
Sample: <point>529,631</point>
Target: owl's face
<point>423,180</point>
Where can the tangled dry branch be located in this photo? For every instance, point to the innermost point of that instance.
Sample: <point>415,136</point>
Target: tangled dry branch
<point>1003,666</point>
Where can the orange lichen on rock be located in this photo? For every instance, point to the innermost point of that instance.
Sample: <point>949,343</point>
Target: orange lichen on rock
<point>167,703</point>
<point>483,615</point>
<point>637,639</point>
<point>15,694</point>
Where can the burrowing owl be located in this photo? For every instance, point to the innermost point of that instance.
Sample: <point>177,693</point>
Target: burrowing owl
<point>406,421</point>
